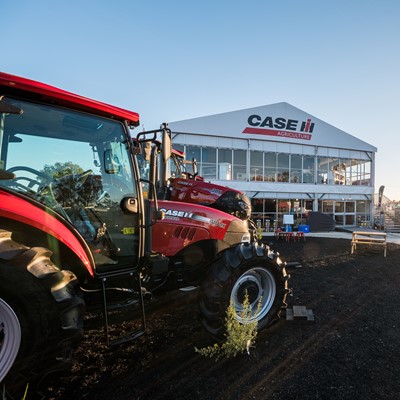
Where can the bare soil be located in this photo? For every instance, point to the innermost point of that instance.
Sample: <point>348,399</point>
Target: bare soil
<point>351,350</point>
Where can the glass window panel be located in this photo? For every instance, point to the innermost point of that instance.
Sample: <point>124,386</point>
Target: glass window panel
<point>295,175</point>
<point>323,168</point>
<point>239,157</point>
<point>308,169</point>
<point>270,160</point>
<point>363,206</point>
<point>239,173</point>
<point>209,171</point>
<point>225,164</point>
<point>283,167</point>
<point>339,206</point>
<point>208,163</point>
<point>327,206</point>
<point>345,170</point>
<point>256,158</point>
<point>269,174</point>
<point>337,172</point>
<point>256,165</point>
<point>350,206</point>
<point>295,168</point>
<point>209,155</point>
<point>225,156</point>
<point>323,164</point>
<point>193,152</point>
<point>225,171</point>
<point>283,161</point>
<point>239,165</point>
<point>270,167</point>
<point>339,219</point>
<point>296,161</point>
<point>359,173</point>
<point>308,162</point>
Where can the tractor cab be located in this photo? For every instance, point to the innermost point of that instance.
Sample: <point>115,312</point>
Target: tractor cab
<point>80,167</point>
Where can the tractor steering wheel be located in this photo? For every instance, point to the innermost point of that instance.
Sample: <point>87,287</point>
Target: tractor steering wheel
<point>81,177</point>
<point>31,182</point>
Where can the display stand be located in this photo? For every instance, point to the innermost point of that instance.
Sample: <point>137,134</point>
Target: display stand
<point>288,221</point>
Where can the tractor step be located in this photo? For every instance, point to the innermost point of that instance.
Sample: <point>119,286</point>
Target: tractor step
<point>127,338</point>
<point>111,306</point>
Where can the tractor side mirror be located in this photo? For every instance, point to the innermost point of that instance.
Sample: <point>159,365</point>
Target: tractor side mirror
<point>129,205</point>
<point>110,165</point>
<point>146,150</point>
<point>194,166</point>
<point>166,144</point>
<point>159,215</point>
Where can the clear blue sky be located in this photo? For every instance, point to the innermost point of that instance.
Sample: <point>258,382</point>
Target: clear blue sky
<point>338,60</point>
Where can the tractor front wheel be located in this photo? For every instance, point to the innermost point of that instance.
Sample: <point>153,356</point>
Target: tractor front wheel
<point>249,270</point>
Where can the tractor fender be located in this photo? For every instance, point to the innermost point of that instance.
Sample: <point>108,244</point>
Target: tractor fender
<point>26,211</point>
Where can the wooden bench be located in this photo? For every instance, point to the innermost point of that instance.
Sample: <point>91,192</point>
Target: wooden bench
<point>368,237</point>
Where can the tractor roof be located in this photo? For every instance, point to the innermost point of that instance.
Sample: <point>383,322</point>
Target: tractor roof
<point>12,84</point>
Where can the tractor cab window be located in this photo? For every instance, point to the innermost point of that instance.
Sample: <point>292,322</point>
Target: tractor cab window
<point>79,166</point>
<point>176,166</point>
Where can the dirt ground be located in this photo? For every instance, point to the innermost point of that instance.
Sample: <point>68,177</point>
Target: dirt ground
<point>350,351</point>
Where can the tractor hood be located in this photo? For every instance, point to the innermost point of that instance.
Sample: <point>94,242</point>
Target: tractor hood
<point>205,193</point>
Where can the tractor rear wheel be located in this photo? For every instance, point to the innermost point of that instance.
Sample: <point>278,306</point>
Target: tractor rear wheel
<point>10,338</point>
<point>41,317</point>
<point>247,269</point>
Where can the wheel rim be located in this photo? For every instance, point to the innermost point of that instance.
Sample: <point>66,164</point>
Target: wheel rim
<point>258,283</point>
<point>10,338</point>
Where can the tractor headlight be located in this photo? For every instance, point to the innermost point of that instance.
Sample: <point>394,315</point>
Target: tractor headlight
<point>246,237</point>
<point>234,203</point>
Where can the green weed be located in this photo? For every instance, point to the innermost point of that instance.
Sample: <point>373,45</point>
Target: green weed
<point>239,336</point>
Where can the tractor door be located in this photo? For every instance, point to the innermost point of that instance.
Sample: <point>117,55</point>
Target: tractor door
<point>79,165</point>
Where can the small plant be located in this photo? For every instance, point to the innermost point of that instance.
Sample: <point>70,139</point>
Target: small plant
<point>239,336</point>
<point>4,395</point>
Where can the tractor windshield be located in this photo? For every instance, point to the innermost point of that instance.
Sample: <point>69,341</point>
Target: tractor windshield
<point>78,165</point>
<point>176,167</point>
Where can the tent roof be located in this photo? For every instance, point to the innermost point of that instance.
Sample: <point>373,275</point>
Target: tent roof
<point>280,122</point>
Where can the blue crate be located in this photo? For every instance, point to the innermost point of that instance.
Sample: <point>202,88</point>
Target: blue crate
<point>304,228</point>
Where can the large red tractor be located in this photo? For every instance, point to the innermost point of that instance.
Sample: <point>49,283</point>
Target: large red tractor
<point>74,221</point>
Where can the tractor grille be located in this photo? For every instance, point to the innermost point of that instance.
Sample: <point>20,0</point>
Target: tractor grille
<point>184,232</point>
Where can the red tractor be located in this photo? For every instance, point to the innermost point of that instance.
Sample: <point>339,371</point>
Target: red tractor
<point>177,180</point>
<point>74,221</point>
<point>189,187</point>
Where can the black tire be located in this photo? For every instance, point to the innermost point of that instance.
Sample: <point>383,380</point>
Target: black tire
<point>42,305</point>
<point>250,268</point>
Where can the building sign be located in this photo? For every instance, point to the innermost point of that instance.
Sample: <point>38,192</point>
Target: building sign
<point>282,127</point>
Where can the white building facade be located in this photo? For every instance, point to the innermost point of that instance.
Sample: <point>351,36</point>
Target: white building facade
<point>285,160</point>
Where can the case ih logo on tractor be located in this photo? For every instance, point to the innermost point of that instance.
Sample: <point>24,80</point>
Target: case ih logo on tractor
<point>75,223</point>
